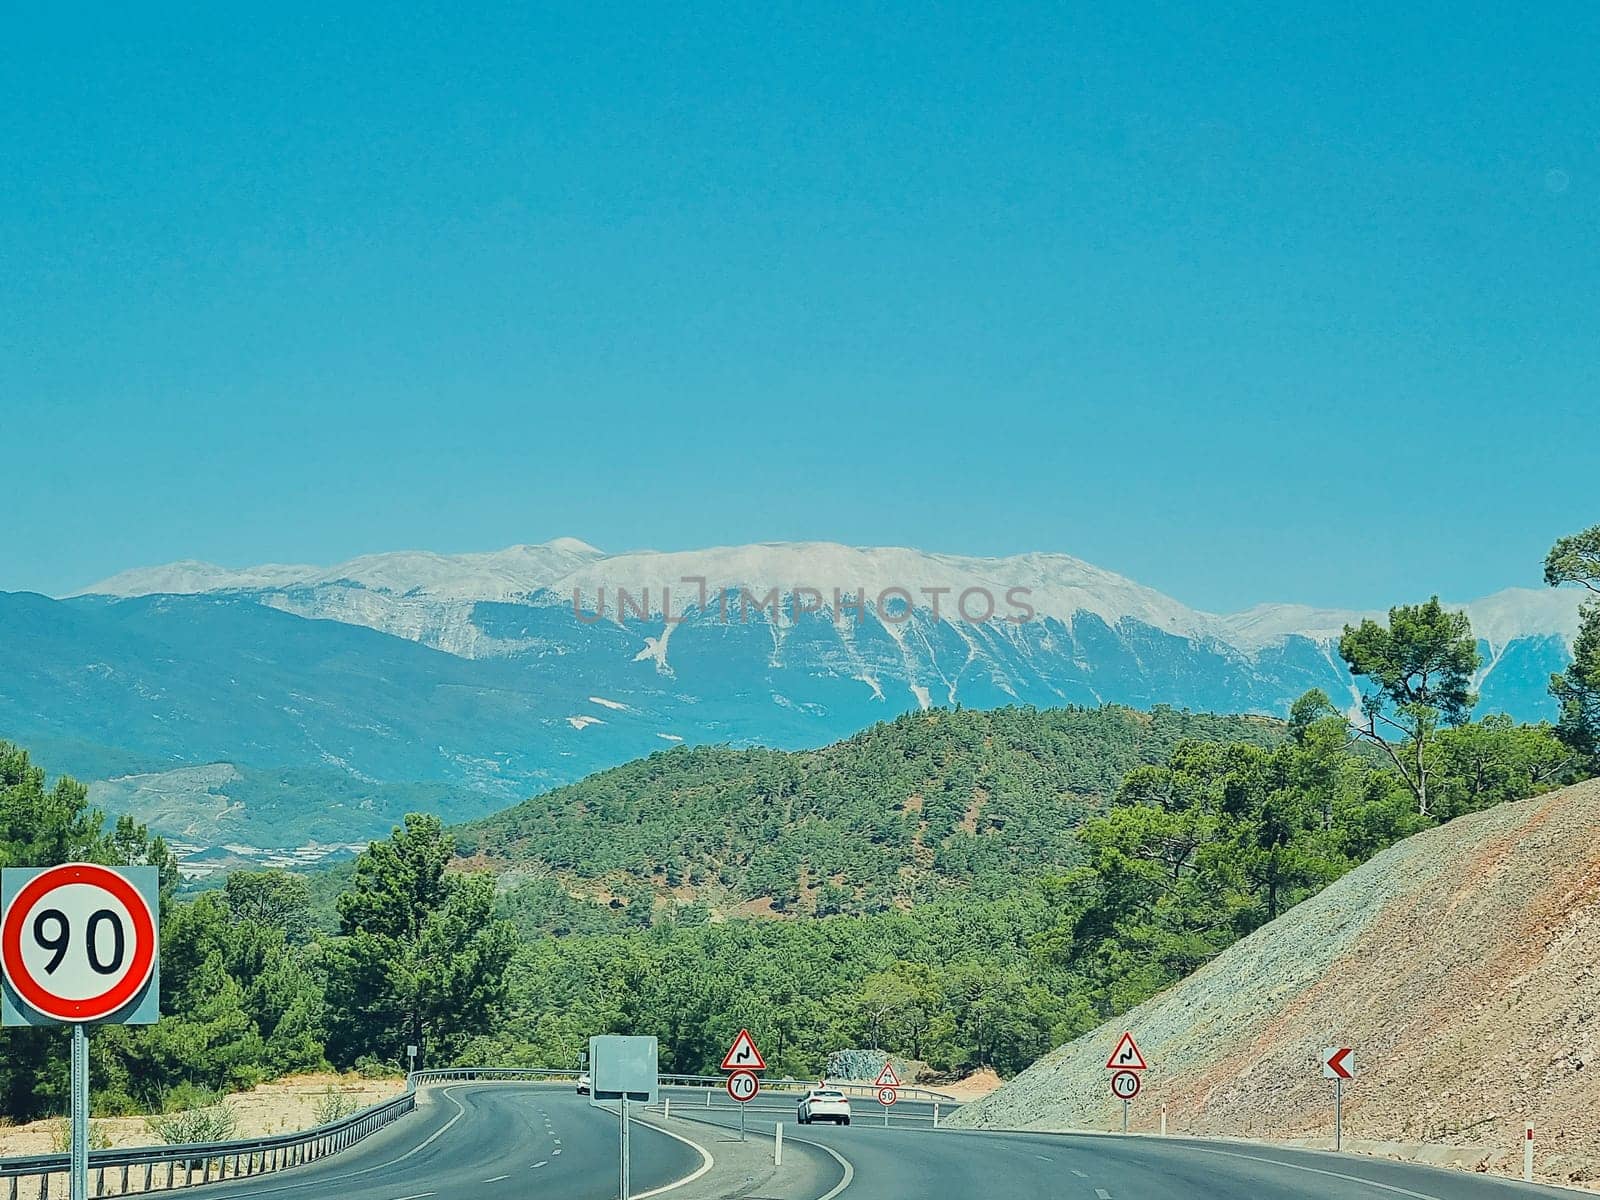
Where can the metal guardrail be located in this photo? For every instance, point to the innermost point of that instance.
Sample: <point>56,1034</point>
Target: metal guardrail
<point>207,1162</point>
<point>534,1074</point>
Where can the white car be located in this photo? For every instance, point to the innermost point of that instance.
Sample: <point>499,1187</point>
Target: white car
<point>584,1083</point>
<point>824,1104</point>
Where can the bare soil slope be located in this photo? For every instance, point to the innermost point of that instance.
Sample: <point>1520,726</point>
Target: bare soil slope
<point>1464,966</point>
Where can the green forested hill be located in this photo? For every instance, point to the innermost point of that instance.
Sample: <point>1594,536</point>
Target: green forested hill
<point>909,807</point>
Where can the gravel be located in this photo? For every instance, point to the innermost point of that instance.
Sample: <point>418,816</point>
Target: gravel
<point>1462,964</point>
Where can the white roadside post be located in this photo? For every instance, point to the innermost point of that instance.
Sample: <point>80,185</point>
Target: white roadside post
<point>1163,1120</point>
<point>1338,1064</point>
<point>80,945</point>
<point>777,1145</point>
<point>1527,1156</point>
<point>936,1114</point>
<point>411,1056</point>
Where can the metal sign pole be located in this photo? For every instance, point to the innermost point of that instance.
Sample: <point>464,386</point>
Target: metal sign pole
<point>1338,1114</point>
<point>624,1188</point>
<point>80,1113</point>
<point>1124,1116</point>
<point>741,1122</point>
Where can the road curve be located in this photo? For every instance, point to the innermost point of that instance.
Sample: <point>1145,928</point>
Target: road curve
<point>483,1142</point>
<point>906,1163</point>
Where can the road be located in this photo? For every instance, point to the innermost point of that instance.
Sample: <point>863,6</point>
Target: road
<point>516,1142</point>
<point>483,1142</point>
<point>905,1162</point>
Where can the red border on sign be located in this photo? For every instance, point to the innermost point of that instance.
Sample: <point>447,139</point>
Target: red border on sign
<point>887,1096</point>
<point>744,1039</point>
<point>96,1008</point>
<point>754,1078</point>
<point>1137,1084</point>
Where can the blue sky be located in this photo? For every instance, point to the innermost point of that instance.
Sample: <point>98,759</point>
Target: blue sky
<point>1297,304</point>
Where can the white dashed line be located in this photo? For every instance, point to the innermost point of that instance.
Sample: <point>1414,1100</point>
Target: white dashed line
<point>1102,1194</point>
<point>497,1179</point>
<point>544,1162</point>
<point>1079,1173</point>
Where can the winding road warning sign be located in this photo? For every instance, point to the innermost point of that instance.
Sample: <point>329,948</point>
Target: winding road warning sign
<point>1126,1057</point>
<point>743,1055</point>
<point>79,943</point>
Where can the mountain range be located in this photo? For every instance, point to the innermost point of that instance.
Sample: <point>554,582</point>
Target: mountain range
<point>333,693</point>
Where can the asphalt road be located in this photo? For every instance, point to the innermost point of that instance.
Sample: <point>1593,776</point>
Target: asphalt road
<point>909,1163</point>
<point>522,1142</point>
<point>483,1142</point>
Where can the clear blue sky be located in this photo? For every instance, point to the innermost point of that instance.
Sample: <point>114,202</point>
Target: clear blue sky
<point>1300,304</point>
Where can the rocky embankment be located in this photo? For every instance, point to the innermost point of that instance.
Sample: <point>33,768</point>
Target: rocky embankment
<point>1462,964</point>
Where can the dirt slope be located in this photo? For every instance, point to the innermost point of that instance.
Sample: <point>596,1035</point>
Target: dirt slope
<point>1463,965</point>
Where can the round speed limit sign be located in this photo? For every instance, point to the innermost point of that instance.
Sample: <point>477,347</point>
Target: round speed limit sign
<point>78,942</point>
<point>743,1086</point>
<point>1124,1085</point>
<point>887,1096</point>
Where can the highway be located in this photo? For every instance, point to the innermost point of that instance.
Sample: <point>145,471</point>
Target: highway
<point>500,1141</point>
<point>483,1142</point>
<point>906,1162</point>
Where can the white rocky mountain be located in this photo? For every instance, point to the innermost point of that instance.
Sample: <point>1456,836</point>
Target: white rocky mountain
<point>430,597</point>
<point>479,678</point>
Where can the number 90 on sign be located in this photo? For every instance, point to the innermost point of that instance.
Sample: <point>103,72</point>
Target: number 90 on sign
<point>78,943</point>
<point>743,1086</point>
<point>1124,1085</point>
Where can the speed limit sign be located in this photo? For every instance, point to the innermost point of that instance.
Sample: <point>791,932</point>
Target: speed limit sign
<point>1124,1085</point>
<point>79,944</point>
<point>743,1086</point>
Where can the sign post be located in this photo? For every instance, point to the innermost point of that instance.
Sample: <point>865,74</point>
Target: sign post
<point>1125,1060</point>
<point>1338,1064</point>
<point>411,1054</point>
<point>80,946</point>
<point>743,1086</point>
<point>887,1082</point>
<point>743,1060</point>
<point>1125,1086</point>
<point>624,1069</point>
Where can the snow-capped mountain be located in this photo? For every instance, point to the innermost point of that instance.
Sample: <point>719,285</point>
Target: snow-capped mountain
<point>434,598</point>
<point>509,671</point>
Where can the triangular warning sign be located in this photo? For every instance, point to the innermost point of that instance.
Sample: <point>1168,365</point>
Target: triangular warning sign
<point>887,1077</point>
<point>743,1055</point>
<point>1126,1056</point>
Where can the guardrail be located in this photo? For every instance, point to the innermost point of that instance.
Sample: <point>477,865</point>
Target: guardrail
<point>209,1162</point>
<point>534,1074</point>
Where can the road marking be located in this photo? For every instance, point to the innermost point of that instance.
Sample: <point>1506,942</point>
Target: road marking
<point>419,1196</point>
<point>1079,1173</point>
<point>706,1162</point>
<point>461,1111</point>
<point>1044,1158</point>
<point>849,1170</point>
<point>556,1153</point>
<point>1372,1183</point>
<point>544,1162</point>
<point>497,1179</point>
<point>1102,1194</point>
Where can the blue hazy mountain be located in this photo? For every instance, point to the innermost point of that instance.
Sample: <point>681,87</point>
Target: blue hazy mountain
<point>323,702</point>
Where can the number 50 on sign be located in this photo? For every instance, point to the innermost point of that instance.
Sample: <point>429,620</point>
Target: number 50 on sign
<point>79,945</point>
